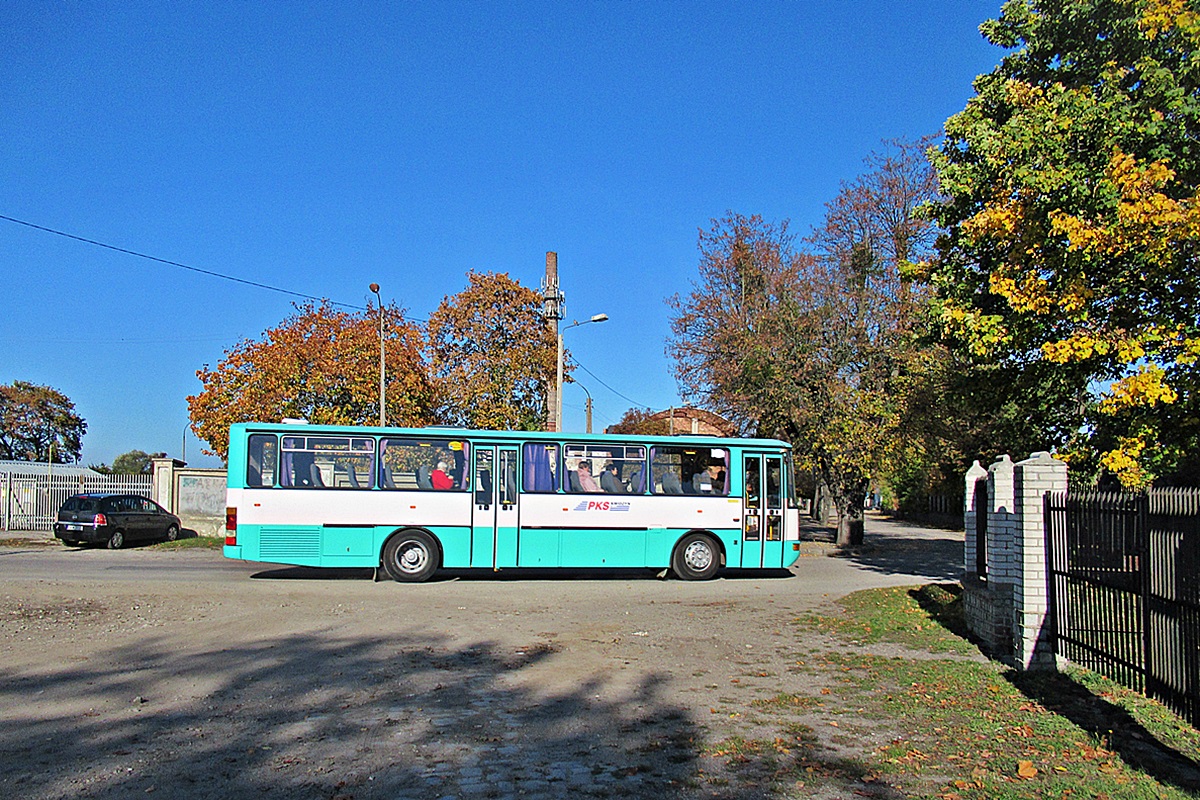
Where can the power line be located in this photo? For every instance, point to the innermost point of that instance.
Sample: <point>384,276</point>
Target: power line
<point>606,386</point>
<point>208,272</point>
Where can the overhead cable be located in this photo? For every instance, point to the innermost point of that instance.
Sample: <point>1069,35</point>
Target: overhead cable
<point>168,262</point>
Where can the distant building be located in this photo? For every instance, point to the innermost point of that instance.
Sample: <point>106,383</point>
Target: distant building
<point>43,468</point>
<point>688,420</point>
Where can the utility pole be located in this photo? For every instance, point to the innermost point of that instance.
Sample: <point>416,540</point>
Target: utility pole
<point>589,414</point>
<point>374,287</point>
<point>552,311</point>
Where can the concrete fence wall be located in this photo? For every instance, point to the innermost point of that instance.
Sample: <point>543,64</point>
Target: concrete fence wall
<point>196,496</point>
<point>1006,605</point>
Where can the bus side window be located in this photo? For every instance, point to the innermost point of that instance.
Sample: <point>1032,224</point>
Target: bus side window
<point>540,467</point>
<point>261,455</point>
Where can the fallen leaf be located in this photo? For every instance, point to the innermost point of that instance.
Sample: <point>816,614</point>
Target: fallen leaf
<point>1026,769</point>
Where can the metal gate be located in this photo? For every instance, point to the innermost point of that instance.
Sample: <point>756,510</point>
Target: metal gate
<point>1124,589</point>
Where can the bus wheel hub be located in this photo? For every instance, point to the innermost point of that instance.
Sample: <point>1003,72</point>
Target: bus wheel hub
<point>698,556</point>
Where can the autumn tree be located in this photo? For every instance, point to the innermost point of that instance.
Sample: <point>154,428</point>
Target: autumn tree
<point>817,346</point>
<point>320,364</point>
<point>38,423</point>
<point>639,421</point>
<point>493,354</point>
<point>1068,278</point>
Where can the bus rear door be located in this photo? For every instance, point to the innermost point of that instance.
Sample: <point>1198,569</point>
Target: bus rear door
<point>762,518</point>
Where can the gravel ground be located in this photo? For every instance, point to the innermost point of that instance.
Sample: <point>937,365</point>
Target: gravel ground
<point>251,681</point>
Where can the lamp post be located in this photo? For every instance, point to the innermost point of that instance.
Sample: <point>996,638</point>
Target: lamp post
<point>559,383</point>
<point>374,287</point>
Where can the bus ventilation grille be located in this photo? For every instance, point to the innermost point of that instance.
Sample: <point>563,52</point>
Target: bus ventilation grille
<point>290,543</point>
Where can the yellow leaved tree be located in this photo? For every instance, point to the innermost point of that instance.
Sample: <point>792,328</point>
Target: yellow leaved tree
<point>1071,258</point>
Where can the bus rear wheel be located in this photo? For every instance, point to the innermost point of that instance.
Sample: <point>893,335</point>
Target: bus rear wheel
<point>696,557</point>
<point>410,557</point>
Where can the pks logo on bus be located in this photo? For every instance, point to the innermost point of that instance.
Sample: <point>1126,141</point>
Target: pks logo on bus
<point>601,505</point>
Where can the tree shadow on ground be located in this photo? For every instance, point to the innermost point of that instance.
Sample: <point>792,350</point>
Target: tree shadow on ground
<point>317,715</point>
<point>1110,723</point>
<point>925,559</point>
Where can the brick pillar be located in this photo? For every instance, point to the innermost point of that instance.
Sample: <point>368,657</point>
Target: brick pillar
<point>970,514</point>
<point>1033,479</point>
<point>1002,525</point>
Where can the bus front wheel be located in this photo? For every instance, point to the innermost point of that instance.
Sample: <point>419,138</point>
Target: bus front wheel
<point>410,556</point>
<point>696,557</point>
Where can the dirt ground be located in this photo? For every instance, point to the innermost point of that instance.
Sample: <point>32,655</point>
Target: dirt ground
<point>181,673</point>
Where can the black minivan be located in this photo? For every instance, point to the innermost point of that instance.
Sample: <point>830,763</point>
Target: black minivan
<point>113,519</point>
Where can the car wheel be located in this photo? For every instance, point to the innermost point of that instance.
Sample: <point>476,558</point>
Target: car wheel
<point>116,541</point>
<point>172,533</point>
<point>696,557</point>
<point>410,556</point>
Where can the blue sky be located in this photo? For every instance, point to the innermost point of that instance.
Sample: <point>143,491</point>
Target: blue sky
<point>320,147</point>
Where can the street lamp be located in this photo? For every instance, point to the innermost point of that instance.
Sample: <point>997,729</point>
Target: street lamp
<point>559,383</point>
<point>374,287</point>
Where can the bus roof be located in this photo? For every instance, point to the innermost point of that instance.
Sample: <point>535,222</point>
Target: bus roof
<point>503,436</point>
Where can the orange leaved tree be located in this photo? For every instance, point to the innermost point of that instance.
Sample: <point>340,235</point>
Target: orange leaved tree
<point>493,354</point>
<point>320,364</point>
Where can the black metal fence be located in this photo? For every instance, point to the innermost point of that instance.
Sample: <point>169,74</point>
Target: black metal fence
<point>1124,589</point>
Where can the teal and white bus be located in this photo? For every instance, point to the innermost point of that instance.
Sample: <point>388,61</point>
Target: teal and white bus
<point>414,500</point>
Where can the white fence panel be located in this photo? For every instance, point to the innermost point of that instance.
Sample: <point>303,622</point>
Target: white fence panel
<point>30,502</point>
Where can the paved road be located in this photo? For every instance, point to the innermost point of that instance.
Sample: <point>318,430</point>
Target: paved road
<point>135,672</point>
<point>894,554</point>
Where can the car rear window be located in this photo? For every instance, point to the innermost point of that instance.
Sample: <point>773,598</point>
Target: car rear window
<point>86,504</point>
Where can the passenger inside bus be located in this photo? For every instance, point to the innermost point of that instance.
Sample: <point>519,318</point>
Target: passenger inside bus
<point>586,482</point>
<point>710,481</point>
<point>610,480</point>
<point>439,478</point>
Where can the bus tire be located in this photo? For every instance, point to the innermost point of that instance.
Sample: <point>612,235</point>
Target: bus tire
<point>411,556</point>
<point>697,557</point>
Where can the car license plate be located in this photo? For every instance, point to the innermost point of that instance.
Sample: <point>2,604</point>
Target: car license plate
<point>74,527</point>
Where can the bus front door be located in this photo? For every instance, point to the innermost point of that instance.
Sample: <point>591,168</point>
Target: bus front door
<point>494,520</point>
<point>762,518</point>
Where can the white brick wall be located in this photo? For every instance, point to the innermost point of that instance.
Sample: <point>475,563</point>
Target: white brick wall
<point>1016,578</point>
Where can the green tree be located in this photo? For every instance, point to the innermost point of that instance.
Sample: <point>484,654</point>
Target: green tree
<point>135,462</point>
<point>38,423</point>
<point>320,364</point>
<point>821,347</point>
<point>1068,276</point>
<point>493,353</point>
